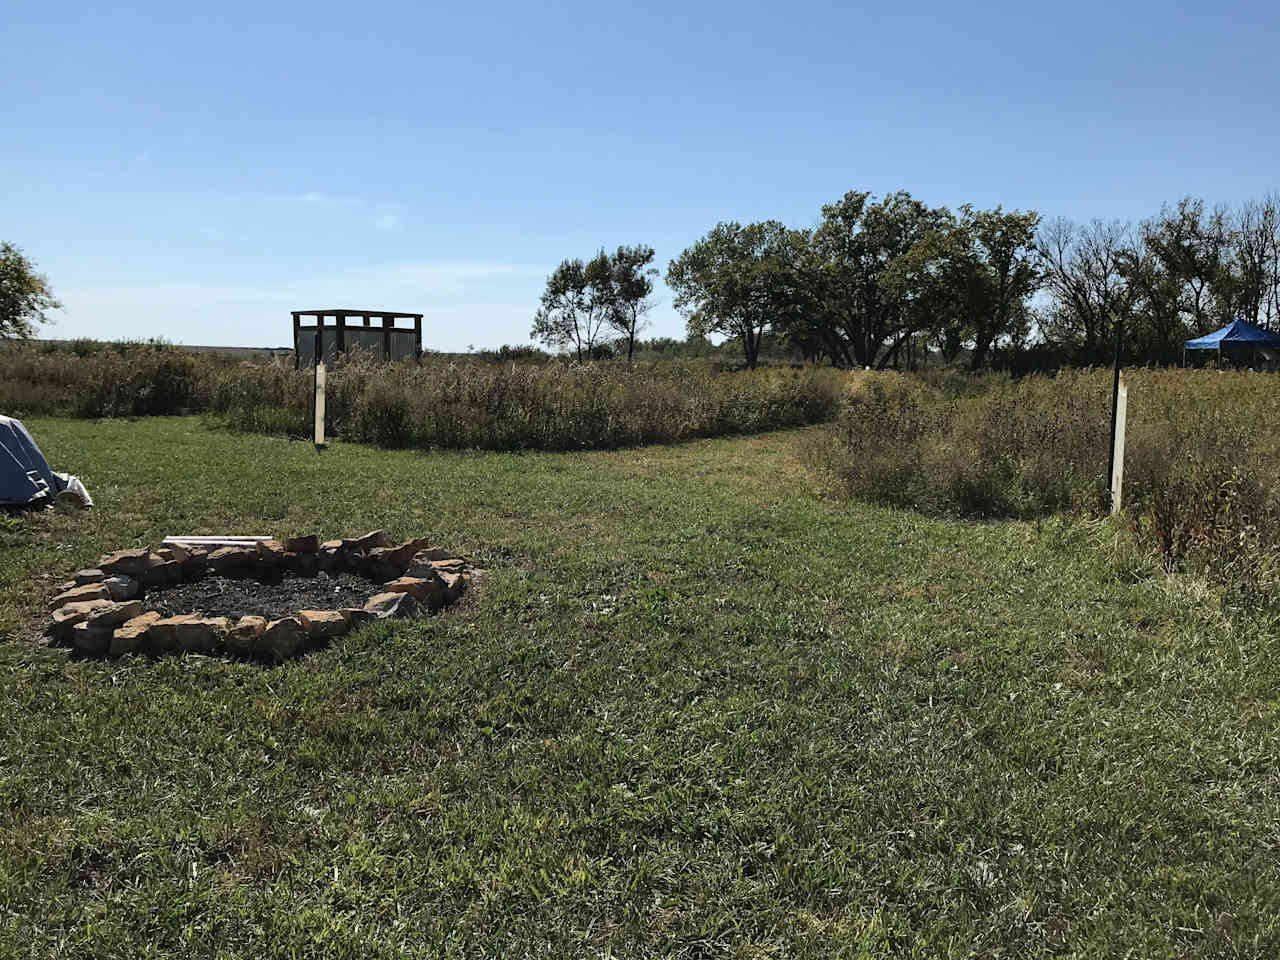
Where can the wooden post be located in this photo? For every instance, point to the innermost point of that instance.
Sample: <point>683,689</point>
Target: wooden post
<point>342,336</point>
<point>1115,393</point>
<point>417,338</point>
<point>387,323</point>
<point>1117,449</point>
<point>319,405</point>
<point>296,362</point>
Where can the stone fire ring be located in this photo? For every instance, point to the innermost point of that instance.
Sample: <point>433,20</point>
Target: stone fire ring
<point>103,611</point>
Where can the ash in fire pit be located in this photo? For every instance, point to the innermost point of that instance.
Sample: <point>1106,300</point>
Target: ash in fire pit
<point>235,597</point>
<point>271,599</point>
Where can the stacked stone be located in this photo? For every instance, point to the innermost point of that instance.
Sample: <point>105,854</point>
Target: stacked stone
<point>102,610</point>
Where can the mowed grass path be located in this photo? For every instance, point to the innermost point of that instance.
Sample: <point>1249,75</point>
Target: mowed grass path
<point>697,711</point>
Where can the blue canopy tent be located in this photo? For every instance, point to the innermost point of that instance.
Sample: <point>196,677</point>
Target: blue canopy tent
<point>1236,339</point>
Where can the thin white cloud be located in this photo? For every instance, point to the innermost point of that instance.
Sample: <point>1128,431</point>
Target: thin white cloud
<point>328,201</point>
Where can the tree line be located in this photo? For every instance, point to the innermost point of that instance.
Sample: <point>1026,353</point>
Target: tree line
<point>890,281</point>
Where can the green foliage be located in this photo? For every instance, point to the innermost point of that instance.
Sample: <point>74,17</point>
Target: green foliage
<point>632,276</point>
<point>581,299</point>
<point>1183,273</point>
<point>736,281</point>
<point>986,269</point>
<point>575,305</point>
<point>867,273</point>
<point>874,282</point>
<point>696,711</point>
<point>25,295</point>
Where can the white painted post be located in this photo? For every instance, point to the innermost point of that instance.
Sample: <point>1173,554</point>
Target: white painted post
<point>1117,454</point>
<point>320,378</point>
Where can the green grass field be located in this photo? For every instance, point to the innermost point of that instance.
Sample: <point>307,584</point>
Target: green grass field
<point>697,710</point>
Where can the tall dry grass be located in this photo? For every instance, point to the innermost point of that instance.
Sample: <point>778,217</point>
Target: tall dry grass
<point>92,379</point>
<point>1201,466</point>
<point>441,403</point>
<point>512,406</point>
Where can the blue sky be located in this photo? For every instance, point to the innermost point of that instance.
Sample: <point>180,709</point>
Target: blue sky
<point>197,173</point>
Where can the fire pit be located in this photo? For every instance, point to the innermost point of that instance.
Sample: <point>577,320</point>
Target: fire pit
<point>270,599</point>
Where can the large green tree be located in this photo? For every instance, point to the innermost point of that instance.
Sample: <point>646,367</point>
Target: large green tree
<point>737,281</point>
<point>983,266</point>
<point>25,295</point>
<point>575,305</point>
<point>632,276</point>
<point>867,272</point>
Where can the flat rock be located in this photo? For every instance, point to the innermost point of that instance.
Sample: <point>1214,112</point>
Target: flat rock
<point>88,576</point>
<point>66,617</point>
<point>93,640</point>
<point>428,591</point>
<point>174,552</point>
<point>281,640</point>
<point>322,624</point>
<point>272,551</point>
<point>161,572</point>
<point>114,614</point>
<point>386,606</point>
<point>121,587</point>
<point>190,632</point>
<point>434,553</point>
<point>390,559</point>
<point>454,584</point>
<point>81,594</point>
<point>306,544</point>
<point>423,569</point>
<point>128,562</point>
<point>131,636</point>
<point>200,634</point>
<point>244,633</point>
<point>231,558</point>
<point>374,538</point>
<point>196,563</point>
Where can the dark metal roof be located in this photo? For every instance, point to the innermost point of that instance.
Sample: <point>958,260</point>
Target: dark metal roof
<point>354,311</point>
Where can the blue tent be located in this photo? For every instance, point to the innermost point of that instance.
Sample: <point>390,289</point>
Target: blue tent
<point>1237,333</point>
<point>25,476</point>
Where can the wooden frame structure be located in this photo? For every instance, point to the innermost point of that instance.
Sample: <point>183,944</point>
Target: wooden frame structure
<point>340,316</point>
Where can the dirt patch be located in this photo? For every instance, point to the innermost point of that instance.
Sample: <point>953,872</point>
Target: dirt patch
<point>221,596</point>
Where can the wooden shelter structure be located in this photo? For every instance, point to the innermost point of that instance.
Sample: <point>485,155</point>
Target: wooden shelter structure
<point>329,340</point>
